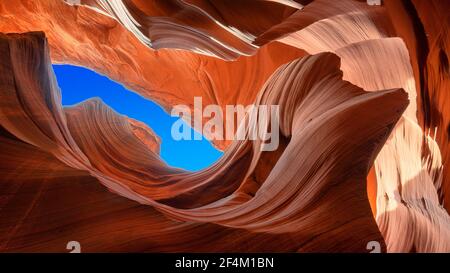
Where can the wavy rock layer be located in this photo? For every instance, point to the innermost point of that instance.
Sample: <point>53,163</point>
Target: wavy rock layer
<point>82,36</point>
<point>304,195</point>
<point>312,194</point>
<point>217,28</point>
<point>373,60</point>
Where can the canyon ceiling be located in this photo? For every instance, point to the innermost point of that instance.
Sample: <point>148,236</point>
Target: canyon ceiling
<point>364,96</point>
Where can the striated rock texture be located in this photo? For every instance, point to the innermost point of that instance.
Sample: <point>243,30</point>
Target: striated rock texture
<point>363,96</point>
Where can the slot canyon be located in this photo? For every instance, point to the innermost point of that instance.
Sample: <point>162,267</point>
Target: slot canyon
<point>364,123</point>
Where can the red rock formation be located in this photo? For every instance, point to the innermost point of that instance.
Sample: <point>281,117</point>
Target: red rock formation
<point>90,137</point>
<point>373,60</point>
<point>82,36</point>
<point>309,195</point>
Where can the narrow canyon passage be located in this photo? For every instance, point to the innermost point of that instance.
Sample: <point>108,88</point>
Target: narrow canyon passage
<point>362,117</point>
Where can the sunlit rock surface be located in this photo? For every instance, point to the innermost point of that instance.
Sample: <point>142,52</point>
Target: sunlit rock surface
<point>364,123</point>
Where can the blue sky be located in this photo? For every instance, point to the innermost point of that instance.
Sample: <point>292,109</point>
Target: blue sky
<point>79,84</point>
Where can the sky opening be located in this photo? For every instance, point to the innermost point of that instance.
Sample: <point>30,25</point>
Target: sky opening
<point>78,84</point>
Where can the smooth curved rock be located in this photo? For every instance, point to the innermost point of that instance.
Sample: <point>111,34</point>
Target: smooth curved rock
<point>306,193</point>
<point>341,148</point>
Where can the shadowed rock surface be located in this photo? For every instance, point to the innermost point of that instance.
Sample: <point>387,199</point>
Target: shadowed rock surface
<point>363,122</point>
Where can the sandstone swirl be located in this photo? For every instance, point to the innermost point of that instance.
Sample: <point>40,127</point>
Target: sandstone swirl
<point>363,110</point>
